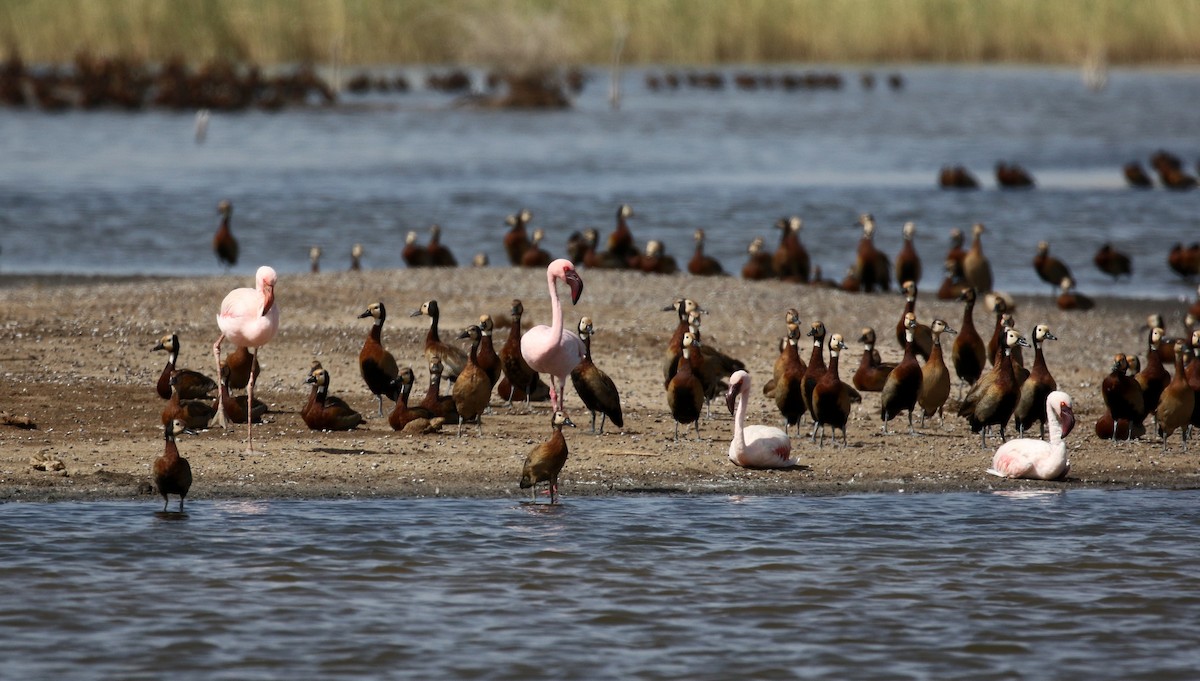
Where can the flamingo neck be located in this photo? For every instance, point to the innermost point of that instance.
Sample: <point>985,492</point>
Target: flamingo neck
<point>556,325</point>
<point>739,423</point>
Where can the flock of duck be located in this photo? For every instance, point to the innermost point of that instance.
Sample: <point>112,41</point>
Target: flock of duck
<point>695,373</point>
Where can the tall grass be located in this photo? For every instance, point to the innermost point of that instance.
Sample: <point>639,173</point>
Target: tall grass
<point>581,31</point>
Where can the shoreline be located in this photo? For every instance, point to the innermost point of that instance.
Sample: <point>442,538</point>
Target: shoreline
<point>77,362</point>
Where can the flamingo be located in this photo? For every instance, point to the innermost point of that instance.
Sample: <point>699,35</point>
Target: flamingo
<point>1034,458</point>
<point>549,349</point>
<point>754,446</point>
<point>250,318</point>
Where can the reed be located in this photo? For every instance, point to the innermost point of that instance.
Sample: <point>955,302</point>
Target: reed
<point>582,32</point>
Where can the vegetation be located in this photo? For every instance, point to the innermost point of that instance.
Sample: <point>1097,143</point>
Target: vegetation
<point>582,31</point>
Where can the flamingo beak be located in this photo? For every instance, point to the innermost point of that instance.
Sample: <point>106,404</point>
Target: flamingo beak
<point>1068,418</point>
<point>731,395</point>
<point>576,285</point>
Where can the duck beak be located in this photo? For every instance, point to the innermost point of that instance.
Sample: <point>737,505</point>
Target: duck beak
<point>576,285</point>
<point>568,422</point>
<point>1068,418</point>
<point>310,379</point>
<point>365,314</point>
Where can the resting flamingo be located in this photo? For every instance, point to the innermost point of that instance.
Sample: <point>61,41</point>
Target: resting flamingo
<point>249,317</point>
<point>550,349</point>
<point>1036,459</point>
<point>754,446</point>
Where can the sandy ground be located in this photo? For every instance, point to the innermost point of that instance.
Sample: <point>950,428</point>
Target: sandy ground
<point>76,360</point>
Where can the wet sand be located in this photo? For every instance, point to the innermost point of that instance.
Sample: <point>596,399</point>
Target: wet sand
<point>76,360</point>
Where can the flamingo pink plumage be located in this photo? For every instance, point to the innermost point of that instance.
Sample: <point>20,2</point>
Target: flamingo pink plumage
<point>754,446</point>
<point>250,318</point>
<point>1035,459</point>
<point>550,349</point>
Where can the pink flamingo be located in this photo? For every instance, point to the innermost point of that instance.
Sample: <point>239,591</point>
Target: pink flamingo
<point>549,349</point>
<point>1035,459</point>
<point>250,318</point>
<point>754,446</point>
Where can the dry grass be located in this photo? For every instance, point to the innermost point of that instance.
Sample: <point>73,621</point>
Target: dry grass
<point>511,32</point>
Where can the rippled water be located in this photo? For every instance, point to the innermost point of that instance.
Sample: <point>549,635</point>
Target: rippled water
<point>1081,585</point>
<point>140,195</point>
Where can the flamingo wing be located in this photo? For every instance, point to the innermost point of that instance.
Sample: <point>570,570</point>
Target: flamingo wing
<point>1018,458</point>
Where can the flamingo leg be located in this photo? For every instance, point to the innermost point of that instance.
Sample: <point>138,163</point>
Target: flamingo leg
<point>250,404</point>
<point>220,405</point>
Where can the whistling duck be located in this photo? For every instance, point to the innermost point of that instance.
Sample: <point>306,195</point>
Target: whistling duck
<point>754,446</point>
<point>816,367</point>
<point>519,381</point>
<point>620,243</point>
<point>871,266</point>
<point>908,263</point>
<point>1113,262</point>
<point>790,261</point>
<point>516,242</point>
<point>789,386</point>
<point>487,358</point>
<point>685,395</point>
<point>952,284</point>
<point>473,388</point>
<point>577,247</point>
<point>1193,378</point>
<point>968,354</point>
<point>956,253</point>
<point>242,366</point>
<point>1194,310</point>
<point>480,259</point>
<point>413,253</point>
<point>1013,176</point>
<point>314,259</point>
<point>552,349</point>
<point>791,319</point>
<point>994,345</point>
<point>545,461</point>
<point>1108,428</point>
<point>903,384</point>
<point>831,397</point>
<point>922,337</point>
<point>195,414</point>
<point>596,259</point>
<point>434,401</point>
<point>1036,386</point>
<point>1153,378</point>
<point>710,365</point>
<point>191,384</point>
<point>759,266</point>
<point>356,254</point>
<point>595,388</point>
<point>872,373</point>
<point>235,407</point>
<point>1069,299</point>
<point>993,398</point>
<point>683,308</point>
<point>377,365</point>
<point>1034,459</point>
<point>1176,404</point>
<point>172,472</point>
<point>1136,176</point>
<point>1049,268</point>
<point>656,261</point>
<point>957,177</point>
<point>1122,396</point>
<point>977,269</point>
<point>330,400</point>
<point>535,255</point>
<point>453,359</point>
<point>702,265</point>
<point>935,377</point>
<point>224,245</point>
<point>439,255</point>
<point>1184,261</point>
<point>402,414</point>
<point>326,414</point>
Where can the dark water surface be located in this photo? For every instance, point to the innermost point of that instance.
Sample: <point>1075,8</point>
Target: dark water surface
<point>1075,585</point>
<point>112,192</point>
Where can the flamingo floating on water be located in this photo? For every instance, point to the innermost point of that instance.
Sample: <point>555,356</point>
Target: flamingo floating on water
<point>550,349</point>
<point>250,318</point>
<point>754,446</point>
<point>1036,459</point>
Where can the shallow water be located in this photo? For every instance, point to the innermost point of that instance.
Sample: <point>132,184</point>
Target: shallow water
<point>1081,584</point>
<point>140,195</point>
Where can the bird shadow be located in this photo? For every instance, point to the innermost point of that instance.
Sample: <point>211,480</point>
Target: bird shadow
<point>342,451</point>
<point>797,467</point>
<point>171,515</point>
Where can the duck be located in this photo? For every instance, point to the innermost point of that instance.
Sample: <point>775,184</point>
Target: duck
<point>621,248</point>
<point>957,177</point>
<point>908,263</point>
<point>438,254</point>
<point>1193,378</point>
<point>594,387</point>
<point>1113,262</point>
<point>519,382</point>
<point>314,259</point>
<point>1035,459</point>
<point>968,354</point>
<point>535,256</point>
<point>1136,176</point>
<point>453,359</point>
<point>758,267</point>
<point>413,253</point>
<point>172,472</point>
<point>994,346</point>
<point>195,414</point>
<point>684,308</point>
<point>1108,428</point>
<point>1194,309</point>
<point>655,260</point>
<point>952,284</point>
<point>956,253</point>
<point>356,254</point>
<point>1069,299</point>
<point>327,414</point>
<point>685,395</point>
<point>791,322</point>
<point>1049,268</point>
<point>993,398</point>
<point>1166,347</point>
<point>551,349</point>
<point>516,241</point>
<point>832,398</point>
<point>872,372</point>
<point>1153,378</point>
<point>977,269</point>
<point>235,407</point>
<point>816,367</point>
<point>402,414</point>
<point>871,266</point>
<point>702,265</point>
<point>377,365</point>
<point>225,246</point>
<point>935,377</point>
<point>1176,404</point>
<point>709,364</point>
<point>1036,386</point>
<point>790,261</point>
<point>545,462</point>
<point>1184,261</point>
<point>755,446</point>
<point>242,365</point>
<point>789,385</point>
<point>903,384</point>
<point>1123,398</point>
<point>1013,176</point>
<point>191,384</point>
<point>473,388</point>
<point>434,401</point>
<point>922,336</point>
<point>487,357</point>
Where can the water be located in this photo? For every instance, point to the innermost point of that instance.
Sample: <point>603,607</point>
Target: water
<point>141,196</point>
<point>1081,584</point>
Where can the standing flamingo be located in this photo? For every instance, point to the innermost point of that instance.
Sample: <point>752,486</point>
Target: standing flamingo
<point>549,349</point>
<point>754,446</point>
<point>1036,459</point>
<point>250,318</point>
